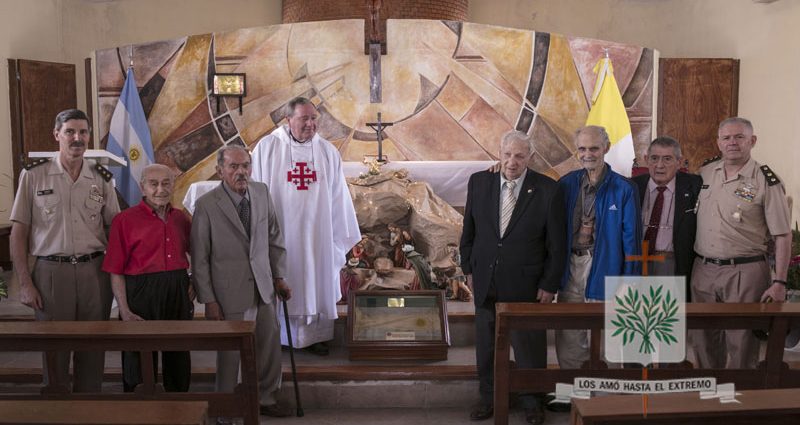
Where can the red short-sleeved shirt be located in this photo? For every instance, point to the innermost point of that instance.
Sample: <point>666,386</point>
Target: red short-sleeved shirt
<point>140,242</point>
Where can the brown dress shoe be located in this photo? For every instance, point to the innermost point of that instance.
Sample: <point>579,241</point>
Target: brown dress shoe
<point>482,412</point>
<point>275,411</point>
<point>535,416</point>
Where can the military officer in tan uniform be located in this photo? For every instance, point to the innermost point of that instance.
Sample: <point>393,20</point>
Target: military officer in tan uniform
<point>60,215</point>
<point>741,206</point>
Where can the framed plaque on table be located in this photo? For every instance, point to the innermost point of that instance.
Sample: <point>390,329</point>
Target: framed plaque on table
<point>397,325</point>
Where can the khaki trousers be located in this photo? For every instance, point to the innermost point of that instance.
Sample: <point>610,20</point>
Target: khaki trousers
<point>268,356</point>
<point>572,346</point>
<point>743,283</point>
<point>74,292</point>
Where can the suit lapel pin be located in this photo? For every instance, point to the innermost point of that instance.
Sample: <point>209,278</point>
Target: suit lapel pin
<point>530,190</point>
<point>685,195</point>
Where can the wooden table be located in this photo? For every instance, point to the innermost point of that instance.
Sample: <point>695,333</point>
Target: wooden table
<point>771,373</point>
<point>776,406</point>
<point>144,337</point>
<point>84,412</point>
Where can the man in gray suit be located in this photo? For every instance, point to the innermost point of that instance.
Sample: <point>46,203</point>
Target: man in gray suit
<point>239,260</point>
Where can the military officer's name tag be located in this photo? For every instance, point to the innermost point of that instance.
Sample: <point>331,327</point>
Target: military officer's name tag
<point>44,192</point>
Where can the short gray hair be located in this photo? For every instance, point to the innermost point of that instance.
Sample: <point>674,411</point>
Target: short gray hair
<point>153,167</point>
<point>596,131</point>
<point>666,142</point>
<point>292,105</point>
<point>228,148</point>
<point>519,137</point>
<point>736,120</point>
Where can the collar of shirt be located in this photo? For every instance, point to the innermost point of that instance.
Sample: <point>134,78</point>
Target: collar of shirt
<point>518,181</point>
<point>747,170</point>
<point>57,168</point>
<point>652,186</point>
<point>144,205</point>
<point>234,195</point>
<point>587,185</point>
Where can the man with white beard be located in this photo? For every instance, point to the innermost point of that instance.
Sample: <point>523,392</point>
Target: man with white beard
<point>305,178</point>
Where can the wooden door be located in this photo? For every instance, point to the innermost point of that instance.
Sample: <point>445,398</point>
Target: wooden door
<point>694,96</point>
<point>38,92</point>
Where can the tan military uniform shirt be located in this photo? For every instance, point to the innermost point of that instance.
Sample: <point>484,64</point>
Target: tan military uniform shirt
<point>64,217</point>
<point>737,216</point>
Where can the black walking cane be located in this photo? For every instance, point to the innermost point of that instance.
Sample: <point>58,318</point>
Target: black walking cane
<point>291,357</point>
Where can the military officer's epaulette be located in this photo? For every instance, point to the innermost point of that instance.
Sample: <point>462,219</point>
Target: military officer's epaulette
<point>35,163</point>
<point>107,176</point>
<point>772,179</point>
<point>710,160</point>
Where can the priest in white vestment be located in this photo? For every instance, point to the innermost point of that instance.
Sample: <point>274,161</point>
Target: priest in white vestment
<point>316,214</point>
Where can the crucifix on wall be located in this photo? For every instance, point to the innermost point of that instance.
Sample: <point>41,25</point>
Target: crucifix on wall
<point>379,126</point>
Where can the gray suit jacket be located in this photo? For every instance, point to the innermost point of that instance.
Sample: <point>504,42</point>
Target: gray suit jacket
<point>227,265</point>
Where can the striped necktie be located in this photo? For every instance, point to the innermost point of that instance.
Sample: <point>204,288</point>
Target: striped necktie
<point>508,205</point>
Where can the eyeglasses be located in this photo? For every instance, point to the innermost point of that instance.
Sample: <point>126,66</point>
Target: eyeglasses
<point>666,159</point>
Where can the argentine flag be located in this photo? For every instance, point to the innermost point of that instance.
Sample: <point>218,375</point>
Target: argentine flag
<point>608,111</point>
<point>129,137</point>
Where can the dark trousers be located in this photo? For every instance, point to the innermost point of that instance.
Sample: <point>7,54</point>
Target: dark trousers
<point>159,296</point>
<point>530,351</point>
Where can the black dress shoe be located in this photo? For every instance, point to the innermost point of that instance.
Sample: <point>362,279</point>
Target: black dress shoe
<point>275,410</point>
<point>535,416</point>
<point>318,348</point>
<point>482,412</point>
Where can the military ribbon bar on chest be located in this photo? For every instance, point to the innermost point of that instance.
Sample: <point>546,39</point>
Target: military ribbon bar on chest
<point>301,175</point>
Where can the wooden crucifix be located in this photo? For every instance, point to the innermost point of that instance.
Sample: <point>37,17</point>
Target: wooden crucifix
<point>379,127</point>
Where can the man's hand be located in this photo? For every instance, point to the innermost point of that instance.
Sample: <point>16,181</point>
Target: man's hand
<point>214,311</point>
<point>776,292</point>
<point>129,316</point>
<point>544,297</point>
<point>29,295</point>
<point>494,168</point>
<point>282,290</point>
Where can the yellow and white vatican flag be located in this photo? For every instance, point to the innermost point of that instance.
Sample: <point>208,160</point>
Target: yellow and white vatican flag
<point>608,111</point>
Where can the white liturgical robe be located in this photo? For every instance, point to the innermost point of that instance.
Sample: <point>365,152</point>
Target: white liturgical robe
<point>319,224</point>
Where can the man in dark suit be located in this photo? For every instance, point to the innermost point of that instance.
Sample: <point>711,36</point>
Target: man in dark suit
<point>512,248</point>
<point>668,201</point>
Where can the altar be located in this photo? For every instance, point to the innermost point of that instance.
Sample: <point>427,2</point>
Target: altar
<point>448,179</point>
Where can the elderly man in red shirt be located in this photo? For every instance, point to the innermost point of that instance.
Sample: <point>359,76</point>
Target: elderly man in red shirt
<point>147,258</point>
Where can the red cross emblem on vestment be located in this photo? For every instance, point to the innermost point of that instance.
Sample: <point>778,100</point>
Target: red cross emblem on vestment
<point>301,175</point>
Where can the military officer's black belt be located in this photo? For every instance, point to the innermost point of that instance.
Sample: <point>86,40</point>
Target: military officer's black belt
<point>72,259</point>
<point>732,261</point>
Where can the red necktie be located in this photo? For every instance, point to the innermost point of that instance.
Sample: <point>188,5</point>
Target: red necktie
<point>655,220</point>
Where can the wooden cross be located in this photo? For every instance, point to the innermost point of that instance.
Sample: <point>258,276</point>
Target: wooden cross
<point>378,127</point>
<point>645,257</point>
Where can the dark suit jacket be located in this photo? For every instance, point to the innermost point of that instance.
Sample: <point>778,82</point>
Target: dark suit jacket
<point>531,253</point>
<point>687,187</point>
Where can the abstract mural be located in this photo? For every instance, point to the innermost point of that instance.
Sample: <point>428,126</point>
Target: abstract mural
<point>450,88</point>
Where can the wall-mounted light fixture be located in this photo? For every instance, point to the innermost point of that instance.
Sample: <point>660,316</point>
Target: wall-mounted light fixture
<point>229,85</point>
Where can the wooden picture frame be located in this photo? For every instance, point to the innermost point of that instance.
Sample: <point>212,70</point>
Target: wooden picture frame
<point>397,325</point>
<point>229,84</point>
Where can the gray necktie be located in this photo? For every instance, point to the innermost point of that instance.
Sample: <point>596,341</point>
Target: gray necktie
<point>244,214</point>
<point>508,205</point>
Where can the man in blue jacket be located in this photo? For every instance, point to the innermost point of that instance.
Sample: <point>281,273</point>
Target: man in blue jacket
<point>603,227</point>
